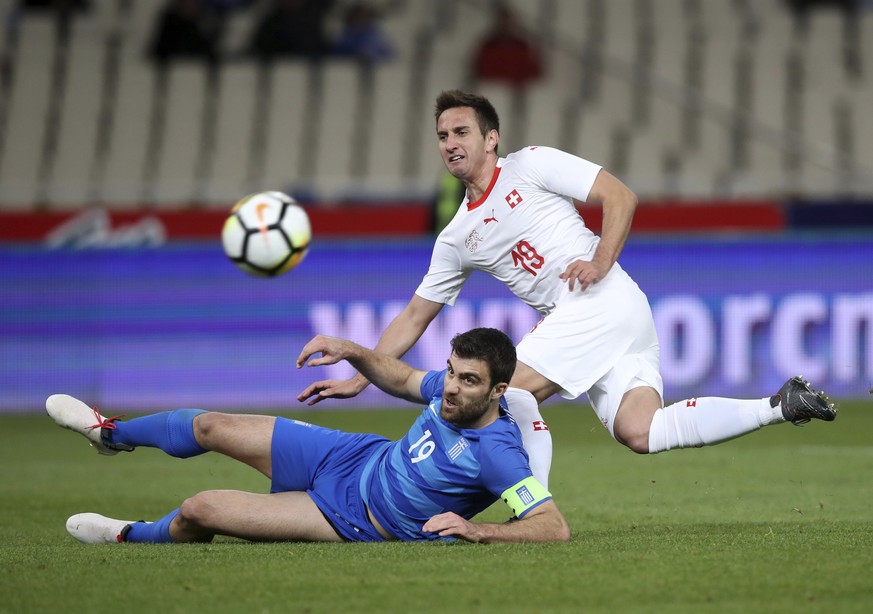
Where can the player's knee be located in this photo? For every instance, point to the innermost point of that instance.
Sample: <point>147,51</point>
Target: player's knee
<point>197,511</point>
<point>207,426</point>
<point>638,442</point>
<point>633,433</point>
<point>634,418</point>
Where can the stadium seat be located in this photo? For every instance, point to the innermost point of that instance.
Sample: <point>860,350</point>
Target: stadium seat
<point>865,36</point>
<point>282,147</point>
<point>708,165</point>
<point>388,142</point>
<point>228,177</point>
<point>120,175</point>
<point>26,126</point>
<point>121,180</point>
<point>769,94</point>
<point>621,24</point>
<point>645,162</point>
<point>69,185</point>
<point>546,107</point>
<point>571,21</point>
<point>863,137</point>
<point>666,124</point>
<point>401,24</point>
<point>615,106</point>
<point>825,81</point>
<point>670,53</point>
<point>178,172</point>
<point>338,121</point>
<point>593,138</point>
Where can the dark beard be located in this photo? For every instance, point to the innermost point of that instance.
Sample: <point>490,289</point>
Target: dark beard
<point>465,415</point>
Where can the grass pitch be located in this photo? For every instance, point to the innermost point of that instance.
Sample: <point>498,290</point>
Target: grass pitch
<point>777,521</point>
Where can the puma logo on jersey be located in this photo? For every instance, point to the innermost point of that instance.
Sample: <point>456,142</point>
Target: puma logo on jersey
<point>490,219</point>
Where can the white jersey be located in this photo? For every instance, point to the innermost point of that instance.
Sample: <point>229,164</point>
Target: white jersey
<point>524,230</point>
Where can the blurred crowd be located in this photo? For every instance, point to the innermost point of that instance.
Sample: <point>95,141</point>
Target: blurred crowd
<point>313,29</point>
<point>283,28</point>
<point>316,29</point>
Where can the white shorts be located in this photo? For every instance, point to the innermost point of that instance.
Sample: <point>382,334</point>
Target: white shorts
<point>601,341</point>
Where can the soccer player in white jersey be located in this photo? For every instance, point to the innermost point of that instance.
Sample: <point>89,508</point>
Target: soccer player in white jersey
<point>462,453</point>
<point>518,223</point>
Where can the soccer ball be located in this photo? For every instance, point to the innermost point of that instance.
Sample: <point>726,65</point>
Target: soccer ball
<point>266,234</point>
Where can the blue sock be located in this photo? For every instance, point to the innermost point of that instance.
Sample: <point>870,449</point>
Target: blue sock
<point>157,532</point>
<point>171,431</point>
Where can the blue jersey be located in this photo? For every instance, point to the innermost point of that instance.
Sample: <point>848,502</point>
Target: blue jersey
<point>438,467</point>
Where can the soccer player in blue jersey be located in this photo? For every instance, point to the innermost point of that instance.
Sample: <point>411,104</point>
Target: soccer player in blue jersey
<point>463,453</point>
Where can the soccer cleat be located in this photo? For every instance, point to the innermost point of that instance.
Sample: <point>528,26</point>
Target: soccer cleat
<point>96,529</point>
<point>73,414</point>
<point>800,403</point>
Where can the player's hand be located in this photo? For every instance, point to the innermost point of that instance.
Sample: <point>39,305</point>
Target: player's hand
<point>333,389</point>
<point>449,524</point>
<point>585,272</point>
<point>332,351</point>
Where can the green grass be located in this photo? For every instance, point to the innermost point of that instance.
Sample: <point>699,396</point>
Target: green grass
<point>777,521</point>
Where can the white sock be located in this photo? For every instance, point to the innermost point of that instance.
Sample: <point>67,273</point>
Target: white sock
<point>708,420</point>
<point>534,433</point>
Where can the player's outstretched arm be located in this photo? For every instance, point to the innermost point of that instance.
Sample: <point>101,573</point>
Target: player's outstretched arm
<point>400,335</point>
<point>544,523</point>
<point>404,330</point>
<point>388,373</point>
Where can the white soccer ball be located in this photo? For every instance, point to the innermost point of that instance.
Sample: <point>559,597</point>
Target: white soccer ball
<point>266,234</point>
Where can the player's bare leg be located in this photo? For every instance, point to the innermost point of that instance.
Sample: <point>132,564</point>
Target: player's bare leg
<point>245,438</point>
<point>285,516</point>
<point>530,380</point>
<point>634,417</point>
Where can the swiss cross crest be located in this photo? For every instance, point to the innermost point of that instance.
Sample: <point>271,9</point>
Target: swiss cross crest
<point>514,199</point>
<point>539,425</point>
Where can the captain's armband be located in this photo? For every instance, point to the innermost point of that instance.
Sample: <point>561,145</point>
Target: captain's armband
<point>524,495</point>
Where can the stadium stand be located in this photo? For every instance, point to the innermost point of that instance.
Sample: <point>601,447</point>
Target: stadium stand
<point>337,144</point>
<point>26,125</point>
<point>685,99</point>
<point>278,160</point>
<point>230,166</point>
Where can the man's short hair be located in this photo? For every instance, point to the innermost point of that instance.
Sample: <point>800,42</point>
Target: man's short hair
<point>491,346</point>
<point>486,115</point>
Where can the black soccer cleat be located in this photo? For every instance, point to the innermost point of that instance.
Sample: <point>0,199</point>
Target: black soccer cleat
<point>800,403</point>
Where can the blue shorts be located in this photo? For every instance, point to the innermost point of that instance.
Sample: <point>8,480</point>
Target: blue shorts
<point>327,464</point>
